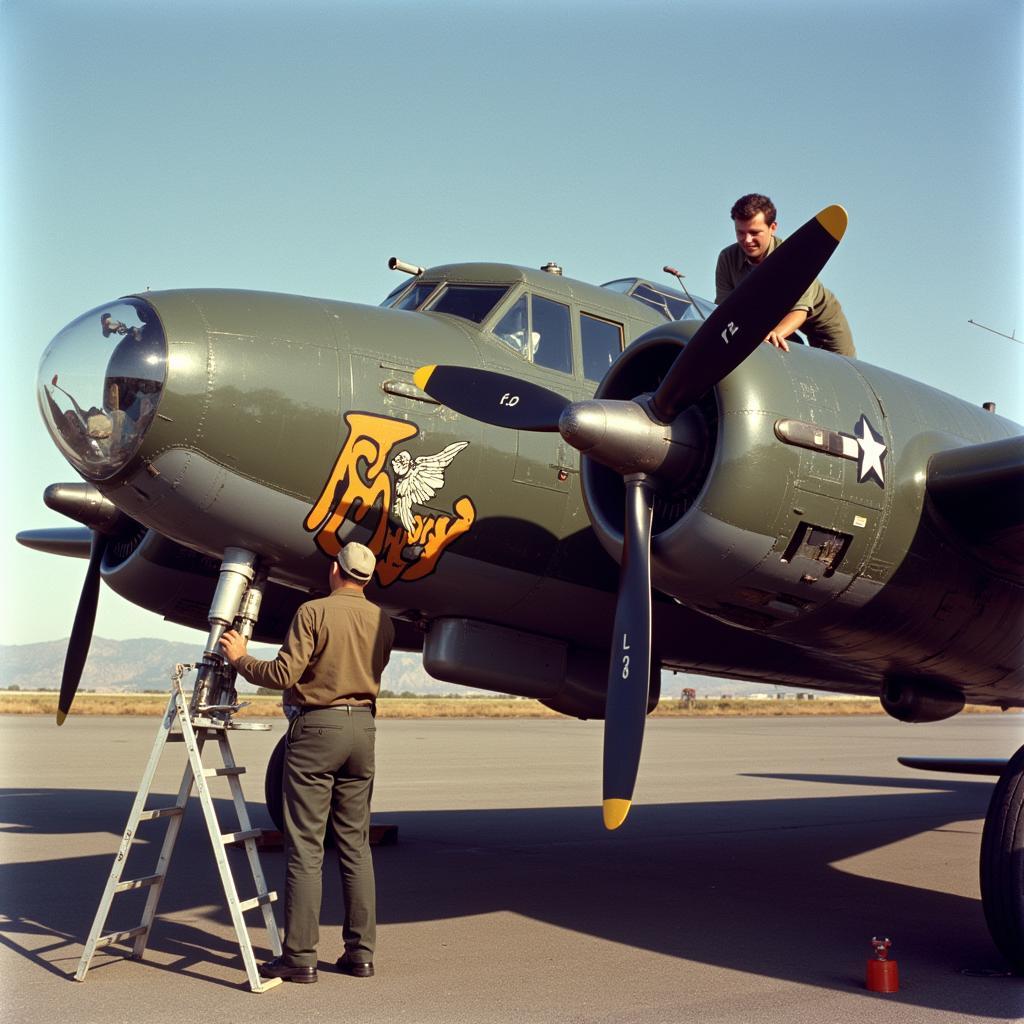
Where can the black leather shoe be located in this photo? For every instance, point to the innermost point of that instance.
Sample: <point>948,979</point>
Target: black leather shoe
<point>357,968</point>
<point>277,968</point>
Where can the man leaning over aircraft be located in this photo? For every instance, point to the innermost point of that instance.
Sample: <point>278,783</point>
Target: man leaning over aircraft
<point>817,312</point>
<point>330,667</point>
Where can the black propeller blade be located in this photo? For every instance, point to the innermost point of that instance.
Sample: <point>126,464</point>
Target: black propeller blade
<point>624,436</point>
<point>740,324</point>
<point>493,398</point>
<point>629,671</point>
<point>81,631</point>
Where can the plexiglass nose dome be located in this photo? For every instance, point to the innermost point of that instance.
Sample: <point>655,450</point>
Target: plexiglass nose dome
<point>100,381</point>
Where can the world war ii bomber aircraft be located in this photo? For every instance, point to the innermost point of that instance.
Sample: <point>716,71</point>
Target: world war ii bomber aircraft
<point>798,518</point>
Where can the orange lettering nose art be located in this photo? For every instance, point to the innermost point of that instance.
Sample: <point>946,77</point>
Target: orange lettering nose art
<point>360,485</point>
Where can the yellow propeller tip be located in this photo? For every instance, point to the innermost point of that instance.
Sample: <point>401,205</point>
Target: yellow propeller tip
<point>61,717</point>
<point>615,812</point>
<point>834,220</point>
<point>422,375</point>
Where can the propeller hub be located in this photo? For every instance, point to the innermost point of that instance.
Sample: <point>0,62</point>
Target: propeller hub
<point>623,436</point>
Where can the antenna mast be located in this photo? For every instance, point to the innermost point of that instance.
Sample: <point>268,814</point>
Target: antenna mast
<point>1012,336</point>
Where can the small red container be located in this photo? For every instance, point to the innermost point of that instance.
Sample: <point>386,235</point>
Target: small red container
<point>883,974</point>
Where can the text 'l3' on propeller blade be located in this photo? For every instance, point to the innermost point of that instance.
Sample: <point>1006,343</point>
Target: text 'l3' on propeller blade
<point>629,669</point>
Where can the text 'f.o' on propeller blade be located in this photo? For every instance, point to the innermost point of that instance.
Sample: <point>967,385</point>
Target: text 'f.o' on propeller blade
<point>749,313</point>
<point>490,397</point>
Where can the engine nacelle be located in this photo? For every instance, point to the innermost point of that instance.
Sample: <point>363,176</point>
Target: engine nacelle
<point>779,517</point>
<point>567,679</point>
<point>915,700</point>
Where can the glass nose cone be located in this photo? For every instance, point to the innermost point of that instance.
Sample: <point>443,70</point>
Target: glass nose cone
<point>100,382</point>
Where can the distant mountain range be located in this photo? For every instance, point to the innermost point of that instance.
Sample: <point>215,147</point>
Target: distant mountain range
<point>131,666</point>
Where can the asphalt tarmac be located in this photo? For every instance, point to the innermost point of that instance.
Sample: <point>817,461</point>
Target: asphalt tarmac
<point>760,858</point>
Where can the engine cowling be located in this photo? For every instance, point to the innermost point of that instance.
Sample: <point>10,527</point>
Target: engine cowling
<point>916,700</point>
<point>769,525</point>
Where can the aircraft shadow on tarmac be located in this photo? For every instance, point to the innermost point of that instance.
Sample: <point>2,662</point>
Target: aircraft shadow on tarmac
<point>747,885</point>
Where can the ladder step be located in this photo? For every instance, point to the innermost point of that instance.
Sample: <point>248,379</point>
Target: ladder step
<point>211,772</point>
<point>162,812</point>
<point>114,937</point>
<point>258,901</point>
<point>240,837</point>
<point>137,883</point>
<point>208,723</point>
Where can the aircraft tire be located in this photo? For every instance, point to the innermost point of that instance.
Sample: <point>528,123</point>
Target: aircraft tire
<point>273,786</point>
<point>1002,863</point>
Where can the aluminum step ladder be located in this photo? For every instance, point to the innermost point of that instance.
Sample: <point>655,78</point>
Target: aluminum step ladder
<point>193,730</point>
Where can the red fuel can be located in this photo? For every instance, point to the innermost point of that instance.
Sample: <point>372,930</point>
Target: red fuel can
<point>882,973</point>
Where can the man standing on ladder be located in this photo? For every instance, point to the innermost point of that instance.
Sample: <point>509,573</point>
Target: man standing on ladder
<point>330,666</point>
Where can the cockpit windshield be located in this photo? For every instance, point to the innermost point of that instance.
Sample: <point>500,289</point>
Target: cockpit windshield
<point>416,295</point>
<point>100,381</point>
<point>470,301</point>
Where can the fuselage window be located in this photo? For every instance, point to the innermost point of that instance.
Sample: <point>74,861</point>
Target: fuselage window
<point>602,342</point>
<point>551,324</point>
<point>470,301</point>
<point>417,295</point>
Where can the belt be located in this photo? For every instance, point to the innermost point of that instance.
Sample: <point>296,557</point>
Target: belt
<point>347,708</point>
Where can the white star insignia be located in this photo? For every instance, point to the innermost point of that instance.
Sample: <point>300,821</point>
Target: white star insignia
<point>872,452</point>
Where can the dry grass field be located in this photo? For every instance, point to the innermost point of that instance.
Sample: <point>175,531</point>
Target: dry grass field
<point>17,703</point>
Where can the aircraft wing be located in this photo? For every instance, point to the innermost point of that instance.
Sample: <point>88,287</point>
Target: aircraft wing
<point>978,491</point>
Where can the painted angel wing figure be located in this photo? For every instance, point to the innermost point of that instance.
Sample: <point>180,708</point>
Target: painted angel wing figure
<point>417,482</point>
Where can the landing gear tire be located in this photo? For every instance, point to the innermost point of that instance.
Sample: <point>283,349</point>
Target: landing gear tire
<point>273,786</point>
<point>1002,863</point>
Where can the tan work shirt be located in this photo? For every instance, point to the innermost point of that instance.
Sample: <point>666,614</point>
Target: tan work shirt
<point>825,325</point>
<point>333,654</point>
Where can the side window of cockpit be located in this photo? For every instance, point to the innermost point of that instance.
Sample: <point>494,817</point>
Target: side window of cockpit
<point>546,340</point>
<point>602,342</point>
<point>512,328</point>
<point>551,325</point>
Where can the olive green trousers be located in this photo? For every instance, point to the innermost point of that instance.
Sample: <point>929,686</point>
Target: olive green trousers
<point>328,777</point>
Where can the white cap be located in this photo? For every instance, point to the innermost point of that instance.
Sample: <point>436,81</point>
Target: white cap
<point>357,561</point>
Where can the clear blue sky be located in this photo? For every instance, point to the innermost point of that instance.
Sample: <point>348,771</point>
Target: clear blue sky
<point>296,146</point>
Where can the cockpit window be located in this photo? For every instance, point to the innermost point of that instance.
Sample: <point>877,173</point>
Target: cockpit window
<point>417,295</point>
<point>470,301</point>
<point>554,346</point>
<point>394,293</point>
<point>512,329</point>
<point>545,339</point>
<point>672,307</point>
<point>601,341</point>
<point>671,304</point>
